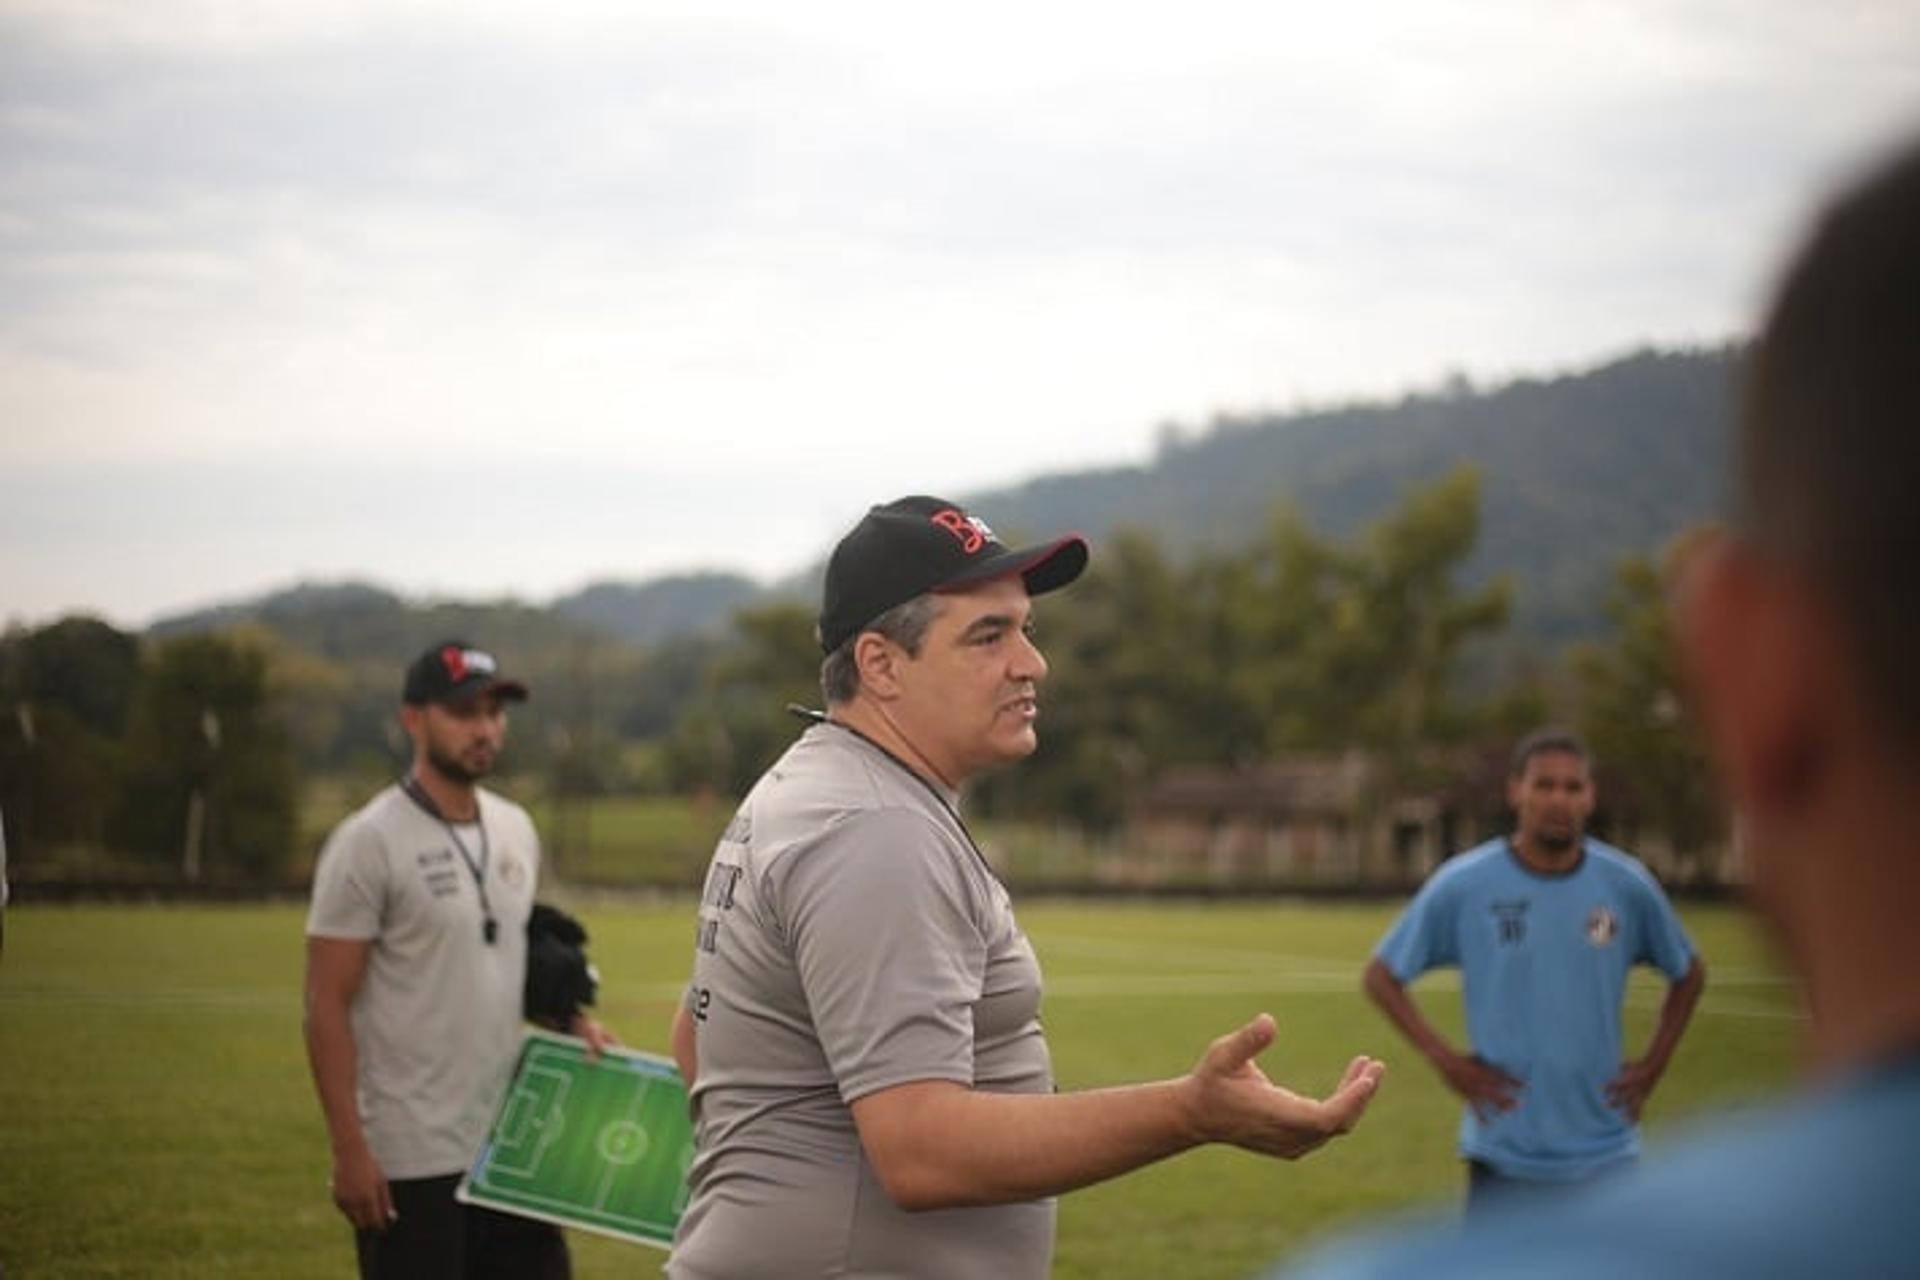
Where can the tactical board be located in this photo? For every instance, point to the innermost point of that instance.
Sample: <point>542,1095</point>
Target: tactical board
<point>598,1144</point>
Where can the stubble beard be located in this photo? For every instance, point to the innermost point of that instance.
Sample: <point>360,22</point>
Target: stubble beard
<point>454,769</point>
<point>1555,841</point>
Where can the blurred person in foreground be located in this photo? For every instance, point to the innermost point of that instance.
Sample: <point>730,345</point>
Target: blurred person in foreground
<point>871,1087</point>
<point>417,956</point>
<point>1544,926</point>
<point>1799,628</point>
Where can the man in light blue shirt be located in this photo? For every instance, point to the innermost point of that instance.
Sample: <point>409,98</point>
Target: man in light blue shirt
<point>1799,628</point>
<point>1544,927</point>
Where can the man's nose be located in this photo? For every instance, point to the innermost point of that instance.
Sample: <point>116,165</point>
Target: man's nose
<point>1028,662</point>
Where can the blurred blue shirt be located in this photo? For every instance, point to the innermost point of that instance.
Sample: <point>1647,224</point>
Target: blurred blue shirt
<point>1544,962</point>
<point>1826,1186</point>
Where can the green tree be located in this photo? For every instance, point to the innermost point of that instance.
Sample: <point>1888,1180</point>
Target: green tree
<point>1402,621</point>
<point>1310,644</point>
<point>1634,715</point>
<point>726,738</point>
<point>83,665</point>
<point>1292,643</point>
<point>64,693</point>
<point>208,771</point>
<point>308,693</point>
<point>1118,644</point>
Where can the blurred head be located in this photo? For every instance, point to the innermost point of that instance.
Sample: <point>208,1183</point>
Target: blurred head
<point>453,706</point>
<point>460,741</point>
<point>1550,788</point>
<point>1830,433</point>
<point>1801,625</point>
<point>453,671</point>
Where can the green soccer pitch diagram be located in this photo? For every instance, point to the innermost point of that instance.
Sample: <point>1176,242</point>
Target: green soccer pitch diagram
<point>601,1144</point>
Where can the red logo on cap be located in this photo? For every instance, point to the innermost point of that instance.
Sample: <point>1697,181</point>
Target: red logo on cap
<point>971,533</point>
<point>455,661</point>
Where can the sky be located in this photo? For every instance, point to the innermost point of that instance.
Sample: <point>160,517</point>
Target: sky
<point>479,298</point>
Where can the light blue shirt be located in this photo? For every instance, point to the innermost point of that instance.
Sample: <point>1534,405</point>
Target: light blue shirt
<point>1826,1186</point>
<point>1544,961</point>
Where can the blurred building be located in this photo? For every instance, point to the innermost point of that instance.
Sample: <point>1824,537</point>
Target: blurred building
<point>1349,820</point>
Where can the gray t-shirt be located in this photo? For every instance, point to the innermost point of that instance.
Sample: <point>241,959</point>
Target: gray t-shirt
<point>850,939</point>
<point>436,1023</point>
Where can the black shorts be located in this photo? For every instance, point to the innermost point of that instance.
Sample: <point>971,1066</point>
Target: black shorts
<point>1488,1188</point>
<point>438,1238</point>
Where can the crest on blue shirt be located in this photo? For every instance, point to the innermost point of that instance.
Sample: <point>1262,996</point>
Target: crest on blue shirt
<point>1602,926</point>
<point>1511,919</point>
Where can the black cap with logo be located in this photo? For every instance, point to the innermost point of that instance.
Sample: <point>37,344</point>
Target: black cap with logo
<point>910,546</point>
<point>454,671</point>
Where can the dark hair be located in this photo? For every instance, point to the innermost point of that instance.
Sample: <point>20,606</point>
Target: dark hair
<point>1542,742</point>
<point>904,624</point>
<point>1829,438</point>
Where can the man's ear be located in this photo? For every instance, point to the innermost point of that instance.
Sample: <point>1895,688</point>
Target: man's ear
<point>878,661</point>
<point>1759,646</point>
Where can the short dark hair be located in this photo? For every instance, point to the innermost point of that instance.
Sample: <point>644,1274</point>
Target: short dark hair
<point>1829,436</point>
<point>904,624</point>
<point>1543,742</point>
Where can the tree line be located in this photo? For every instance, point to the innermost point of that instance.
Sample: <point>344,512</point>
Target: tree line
<point>185,754</point>
<point>1292,642</point>
<point>171,756</point>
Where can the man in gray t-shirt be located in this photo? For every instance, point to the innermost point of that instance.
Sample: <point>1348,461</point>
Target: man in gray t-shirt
<point>871,1089</point>
<point>416,968</point>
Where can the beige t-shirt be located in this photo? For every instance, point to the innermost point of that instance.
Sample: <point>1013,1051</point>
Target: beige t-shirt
<point>436,1023</point>
<point>850,938</point>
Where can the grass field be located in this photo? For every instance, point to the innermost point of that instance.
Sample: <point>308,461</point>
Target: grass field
<point>156,1119</point>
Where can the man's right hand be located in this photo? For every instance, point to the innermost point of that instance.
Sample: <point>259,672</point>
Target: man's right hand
<point>360,1190</point>
<point>1486,1088</point>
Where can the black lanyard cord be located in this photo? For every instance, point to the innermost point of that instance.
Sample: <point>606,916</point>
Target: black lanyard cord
<point>489,927</point>
<point>811,716</point>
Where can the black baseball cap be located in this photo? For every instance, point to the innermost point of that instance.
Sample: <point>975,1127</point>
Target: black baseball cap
<point>913,545</point>
<point>453,671</point>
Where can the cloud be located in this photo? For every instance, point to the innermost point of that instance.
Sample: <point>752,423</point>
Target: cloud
<point>871,245</point>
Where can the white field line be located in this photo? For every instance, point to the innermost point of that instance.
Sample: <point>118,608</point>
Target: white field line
<point>1194,984</point>
<point>1171,969</point>
<point>230,1000</point>
<point>1114,948</point>
<point>216,999</point>
<point>1725,1008</point>
<point>1140,986</point>
<point>1240,971</point>
<point>1159,955</point>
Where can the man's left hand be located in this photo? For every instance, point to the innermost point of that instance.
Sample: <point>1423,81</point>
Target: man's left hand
<point>598,1038</point>
<point>1233,1101</point>
<point>1630,1089</point>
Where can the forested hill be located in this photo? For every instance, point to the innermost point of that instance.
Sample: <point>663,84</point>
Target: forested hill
<point>1577,472</point>
<point>352,620</point>
<point>646,613</point>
